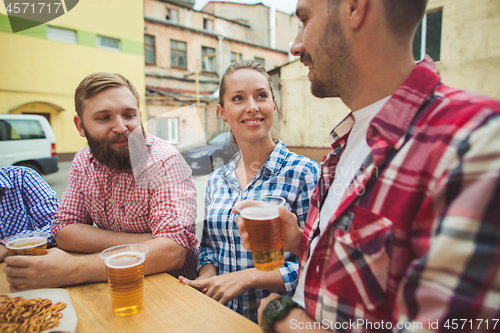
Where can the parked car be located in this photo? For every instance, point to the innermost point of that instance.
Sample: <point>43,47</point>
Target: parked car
<point>28,140</point>
<point>216,153</point>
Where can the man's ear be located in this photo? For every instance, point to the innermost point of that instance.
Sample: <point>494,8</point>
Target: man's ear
<point>357,10</point>
<point>79,126</point>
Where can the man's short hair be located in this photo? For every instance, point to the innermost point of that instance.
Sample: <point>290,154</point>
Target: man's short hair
<point>403,16</point>
<point>98,82</point>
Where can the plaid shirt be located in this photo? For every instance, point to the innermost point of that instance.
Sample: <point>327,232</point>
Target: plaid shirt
<point>115,201</point>
<point>285,174</point>
<point>421,241</point>
<point>27,203</point>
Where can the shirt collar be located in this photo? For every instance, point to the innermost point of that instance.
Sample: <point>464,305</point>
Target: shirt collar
<point>274,162</point>
<point>395,117</point>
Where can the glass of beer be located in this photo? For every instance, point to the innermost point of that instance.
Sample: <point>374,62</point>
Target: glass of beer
<point>29,246</point>
<point>263,225</point>
<point>125,266</point>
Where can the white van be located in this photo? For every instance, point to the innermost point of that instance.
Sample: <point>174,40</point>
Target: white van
<point>28,140</point>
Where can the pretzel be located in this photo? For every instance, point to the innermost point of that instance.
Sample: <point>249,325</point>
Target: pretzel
<point>18,315</point>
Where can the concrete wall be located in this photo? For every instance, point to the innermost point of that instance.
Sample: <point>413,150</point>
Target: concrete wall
<point>36,72</point>
<point>287,27</point>
<point>307,120</point>
<point>470,45</point>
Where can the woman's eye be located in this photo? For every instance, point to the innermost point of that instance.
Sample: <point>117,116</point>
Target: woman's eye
<point>236,98</point>
<point>262,95</point>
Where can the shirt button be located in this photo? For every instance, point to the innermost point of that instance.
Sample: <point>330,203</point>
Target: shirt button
<point>110,200</point>
<point>355,236</point>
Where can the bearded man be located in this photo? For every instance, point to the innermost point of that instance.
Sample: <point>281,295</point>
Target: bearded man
<point>104,205</point>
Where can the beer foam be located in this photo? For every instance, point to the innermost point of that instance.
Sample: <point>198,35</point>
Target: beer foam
<point>25,243</point>
<point>260,213</point>
<point>125,259</point>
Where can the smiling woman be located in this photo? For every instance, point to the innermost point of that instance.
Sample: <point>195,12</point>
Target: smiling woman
<point>262,167</point>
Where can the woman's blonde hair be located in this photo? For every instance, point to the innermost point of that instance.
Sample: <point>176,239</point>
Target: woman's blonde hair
<point>249,64</point>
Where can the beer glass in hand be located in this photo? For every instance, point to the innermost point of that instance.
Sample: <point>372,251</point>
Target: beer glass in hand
<point>263,224</point>
<point>31,245</point>
<point>125,265</point>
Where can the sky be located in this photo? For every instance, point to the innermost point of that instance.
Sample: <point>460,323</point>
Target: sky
<point>286,6</point>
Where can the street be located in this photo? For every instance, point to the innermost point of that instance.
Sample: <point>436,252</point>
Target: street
<point>59,180</point>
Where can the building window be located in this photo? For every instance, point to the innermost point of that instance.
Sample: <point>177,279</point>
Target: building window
<point>107,43</point>
<point>236,57</point>
<point>427,38</point>
<point>208,25</point>
<point>167,129</point>
<point>208,59</point>
<point>171,15</point>
<point>261,61</point>
<point>149,49</point>
<point>177,54</point>
<point>61,35</point>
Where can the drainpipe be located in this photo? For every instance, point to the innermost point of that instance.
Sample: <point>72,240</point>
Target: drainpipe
<point>272,26</point>
<point>220,55</point>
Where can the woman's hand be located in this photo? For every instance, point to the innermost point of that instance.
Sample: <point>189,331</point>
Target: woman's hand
<point>221,288</point>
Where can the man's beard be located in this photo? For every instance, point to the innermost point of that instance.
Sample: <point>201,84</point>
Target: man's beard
<point>115,158</point>
<point>338,72</point>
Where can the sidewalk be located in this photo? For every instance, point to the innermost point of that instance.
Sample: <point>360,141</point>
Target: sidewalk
<point>59,180</point>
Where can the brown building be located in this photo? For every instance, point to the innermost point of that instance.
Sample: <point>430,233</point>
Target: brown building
<point>187,51</point>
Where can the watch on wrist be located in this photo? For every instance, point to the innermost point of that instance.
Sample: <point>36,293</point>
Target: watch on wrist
<point>276,310</point>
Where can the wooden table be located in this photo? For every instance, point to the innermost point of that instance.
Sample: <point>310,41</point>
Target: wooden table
<point>169,306</point>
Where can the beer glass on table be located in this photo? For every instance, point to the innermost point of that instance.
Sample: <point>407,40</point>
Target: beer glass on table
<point>263,225</point>
<point>125,266</point>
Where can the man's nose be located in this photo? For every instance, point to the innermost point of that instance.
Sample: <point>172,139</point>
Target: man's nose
<point>119,126</point>
<point>298,46</point>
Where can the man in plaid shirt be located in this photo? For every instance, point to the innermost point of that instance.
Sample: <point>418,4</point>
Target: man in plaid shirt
<point>154,206</point>
<point>403,232</point>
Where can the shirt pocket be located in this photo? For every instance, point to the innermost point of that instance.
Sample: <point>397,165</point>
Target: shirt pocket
<point>136,217</point>
<point>96,210</point>
<point>362,252</point>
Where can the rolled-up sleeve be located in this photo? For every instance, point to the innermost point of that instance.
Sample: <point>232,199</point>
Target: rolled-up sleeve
<point>173,202</point>
<point>206,254</point>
